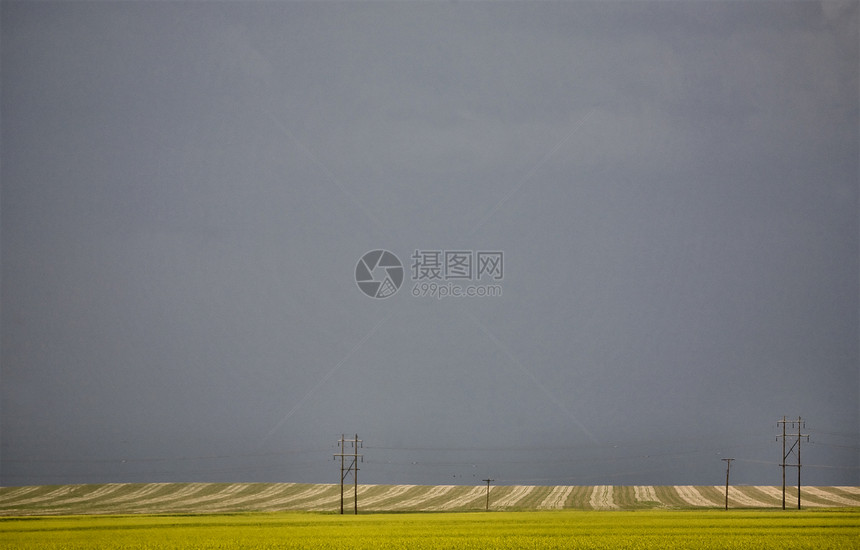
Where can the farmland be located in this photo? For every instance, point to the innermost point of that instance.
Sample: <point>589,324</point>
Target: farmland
<point>293,515</point>
<point>219,498</point>
<point>819,529</point>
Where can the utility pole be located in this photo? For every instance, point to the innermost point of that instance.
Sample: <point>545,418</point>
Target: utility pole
<point>341,472</point>
<point>488,492</point>
<point>728,467</point>
<point>799,435</point>
<point>800,423</point>
<point>353,467</point>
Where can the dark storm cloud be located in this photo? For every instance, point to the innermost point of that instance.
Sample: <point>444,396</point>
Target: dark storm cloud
<point>187,189</point>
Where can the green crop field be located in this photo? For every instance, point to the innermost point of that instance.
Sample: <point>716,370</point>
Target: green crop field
<point>576,529</point>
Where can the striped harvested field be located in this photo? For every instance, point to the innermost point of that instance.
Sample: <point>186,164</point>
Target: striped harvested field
<point>149,498</point>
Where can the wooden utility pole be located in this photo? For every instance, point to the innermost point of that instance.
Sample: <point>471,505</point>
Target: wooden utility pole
<point>800,423</point>
<point>783,462</point>
<point>353,467</point>
<point>356,442</point>
<point>728,467</point>
<point>488,492</point>
<point>799,435</point>
<point>341,473</point>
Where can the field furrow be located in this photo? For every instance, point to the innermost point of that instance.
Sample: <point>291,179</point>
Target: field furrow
<point>535,497</point>
<point>247,501</point>
<point>601,498</point>
<point>745,496</point>
<point>47,496</point>
<point>668,495</point>
<point>95,493</point>
<point>691,496</point>
<point>432,494</point>
<point>174,493</point>
<point>773,493</point>
<point>556,498</point>
<point>645,494</point>
<point>296,500</point>
<point>844,492</point>
<point>515,495</point>
<point>392,493</point>
<point>579,497</point>
<point>464,499</point>
<point>758,492</point>
<point>133,494</point>
<point>832,497</point>
<point>331,501</point>
<point>825,498</point>
<point>118,498</point>
<point>623,496</point>
<point>198,497</point>
<point>9,494</point>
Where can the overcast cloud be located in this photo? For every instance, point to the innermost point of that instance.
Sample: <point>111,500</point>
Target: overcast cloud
<point>188,187</point>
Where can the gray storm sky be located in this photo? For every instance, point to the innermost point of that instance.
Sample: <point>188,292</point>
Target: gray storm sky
<point>187,189</point>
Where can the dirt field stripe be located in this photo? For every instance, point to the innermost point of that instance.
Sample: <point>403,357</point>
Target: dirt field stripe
<point>517,493</point>
<point>223,496</point>
<point>775,493</point>
<point>190,500</point>
<point>601,498</point>
<point>771,491</point>
<point>84,503</point>
<point>644,493</point>
<point>9,493</point>
<point>536,497</point>
<point>179,496</point>
<point>744,496</point>
<point>668,495</point>
<point>463,499</point>
<point>430,492</point>
<point>96,493</point>
<point>332,502</point>
<point>142,491</point>
<point>823,494</point>
<point>308,493</point>
<point>48,496</point>
<point>691,496</point>
<point>846,492</point>
<point>556,498</point>
<point>168,492</point>
<point>227,494</point>
<point>393,493</point>
<point>624,496</point>
<point>246,501</point>
<point>758,492</point>
<point>396,503</point>
<point>96,504</point>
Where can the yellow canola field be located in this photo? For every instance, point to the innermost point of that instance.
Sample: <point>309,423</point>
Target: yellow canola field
<point>835,529</point>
